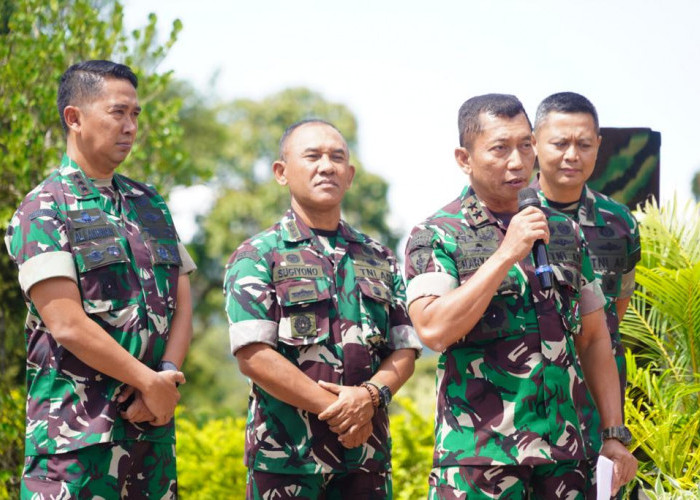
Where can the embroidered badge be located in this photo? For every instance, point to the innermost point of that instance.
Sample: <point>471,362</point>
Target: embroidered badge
<point>303,324</point>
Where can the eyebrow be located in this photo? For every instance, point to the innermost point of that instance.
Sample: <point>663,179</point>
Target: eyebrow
<point>124,106</point>
<point>317,150</point>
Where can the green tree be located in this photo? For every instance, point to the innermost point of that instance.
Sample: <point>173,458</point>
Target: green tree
<point>38,40</point>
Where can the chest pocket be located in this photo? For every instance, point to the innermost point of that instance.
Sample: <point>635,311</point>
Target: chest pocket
<point>568,295</point>
<point>503,316</point>
<point>376,299</point>
<point>107,281</point>
<point>304,305</point>
<point>609,259</point>
<point>160,240</point>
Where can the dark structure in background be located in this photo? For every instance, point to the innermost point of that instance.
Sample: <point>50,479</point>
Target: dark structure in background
<point>628,162</point>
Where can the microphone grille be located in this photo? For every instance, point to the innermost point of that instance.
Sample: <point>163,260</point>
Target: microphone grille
<point>527,197</point>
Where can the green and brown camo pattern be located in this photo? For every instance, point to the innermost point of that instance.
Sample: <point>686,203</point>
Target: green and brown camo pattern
<point>612,234</point>
<point>335,309</point>
<point>504,391</point>
<point>124,247</point>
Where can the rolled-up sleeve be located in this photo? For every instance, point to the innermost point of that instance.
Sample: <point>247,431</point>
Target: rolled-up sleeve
<point>429,284</point>
<point>250,301</point>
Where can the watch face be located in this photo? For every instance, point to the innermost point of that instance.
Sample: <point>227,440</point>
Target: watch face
<point>385,394</point>
<point>621,433</point>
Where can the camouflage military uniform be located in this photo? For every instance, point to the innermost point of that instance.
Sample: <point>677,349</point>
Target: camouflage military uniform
<point>504,390</point>
<point>334,307</point>
<point>613,242</point>
<point>119,245</point>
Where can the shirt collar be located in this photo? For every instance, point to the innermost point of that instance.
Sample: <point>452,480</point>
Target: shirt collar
<point>294,229</point>
<point>476,212</point>
<point>83,187</point>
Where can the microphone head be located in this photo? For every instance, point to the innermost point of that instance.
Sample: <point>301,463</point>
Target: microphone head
<point>527,197</point>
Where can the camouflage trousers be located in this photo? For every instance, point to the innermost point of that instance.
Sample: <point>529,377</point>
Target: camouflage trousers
<point>560,480</point>
<point>123,469</point>
<point>346,486</point>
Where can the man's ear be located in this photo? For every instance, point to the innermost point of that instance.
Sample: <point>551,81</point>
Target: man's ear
<point>279,168</point>
<point>534,144</point>
<point>72,116</point>
<point>463,160</point>
<point>352,174</point>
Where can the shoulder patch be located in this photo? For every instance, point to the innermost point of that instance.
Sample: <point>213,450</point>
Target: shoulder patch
<point>250,254</point>
<point>43,212</point>
<point>421,238</point>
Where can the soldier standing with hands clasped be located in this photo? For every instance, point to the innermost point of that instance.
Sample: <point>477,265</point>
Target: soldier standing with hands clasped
<point>105,280</point>
<point>318,322</point>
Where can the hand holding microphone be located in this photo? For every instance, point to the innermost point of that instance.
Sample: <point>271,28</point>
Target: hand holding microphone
<point>527,197</point>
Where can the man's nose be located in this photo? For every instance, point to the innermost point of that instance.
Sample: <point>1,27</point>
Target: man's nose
<point>130,125</point>
<point>325,164</point>
<point>571,153</point>
<point>516,161</point>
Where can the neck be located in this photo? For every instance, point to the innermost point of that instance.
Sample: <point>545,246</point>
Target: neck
<point>90,168</point>
<point>500,206</point>
<point>560,194</point>
<point>318,219</point>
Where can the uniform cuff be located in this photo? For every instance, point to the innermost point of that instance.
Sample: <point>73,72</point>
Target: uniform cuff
<point>188,264</point>
<point>46,265</point>
<point>627,286</point>
<point>404,337</point>
<point>429,284</point>
<point>252,331</point>
<point>592,298</point>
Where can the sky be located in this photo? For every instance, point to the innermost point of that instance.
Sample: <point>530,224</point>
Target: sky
<point>404,68</point>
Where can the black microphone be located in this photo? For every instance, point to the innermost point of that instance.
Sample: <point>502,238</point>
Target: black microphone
<point>527,197</point>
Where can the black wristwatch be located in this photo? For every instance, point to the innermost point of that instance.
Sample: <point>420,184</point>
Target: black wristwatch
<point>384,394</point>
<point>619,432</point>
<point>165,366</point>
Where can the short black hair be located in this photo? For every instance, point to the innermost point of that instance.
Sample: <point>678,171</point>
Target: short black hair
<point>84,80</point>
<point>566,102</point>
<point>289,130</point>
<point>501,105</point>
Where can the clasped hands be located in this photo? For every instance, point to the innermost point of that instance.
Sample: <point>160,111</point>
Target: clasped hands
<point>155,405</point>
<point>350,416</point>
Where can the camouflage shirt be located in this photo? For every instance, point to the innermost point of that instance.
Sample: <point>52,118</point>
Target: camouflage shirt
<point>120,246</point>
<point>504,389</point>
<point>614,245</point>
<point>335,308</point>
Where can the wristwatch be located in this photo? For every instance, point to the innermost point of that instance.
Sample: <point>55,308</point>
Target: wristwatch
<point>384,394</point>
<point>619,432</point>
<point>165,366</point>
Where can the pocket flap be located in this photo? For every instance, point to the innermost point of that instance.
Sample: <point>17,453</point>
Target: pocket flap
<point>376,289</point>
<point>100,255</point>
<point>294,292</point>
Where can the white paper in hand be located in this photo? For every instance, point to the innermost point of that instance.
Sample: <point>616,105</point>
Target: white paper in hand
<point>603,477</point>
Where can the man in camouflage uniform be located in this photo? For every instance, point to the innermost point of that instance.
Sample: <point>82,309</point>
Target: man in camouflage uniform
<point>506,424</point>
<point>109,322</point>
<point>567,138</point>
<point>318,322</point>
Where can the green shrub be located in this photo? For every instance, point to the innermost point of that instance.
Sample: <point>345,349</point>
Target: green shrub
<point>412,450</point>
<point>210,458</point>
<point>11,441</point>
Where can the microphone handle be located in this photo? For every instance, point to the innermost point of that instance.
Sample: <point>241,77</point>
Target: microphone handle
<point>542,268</point>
